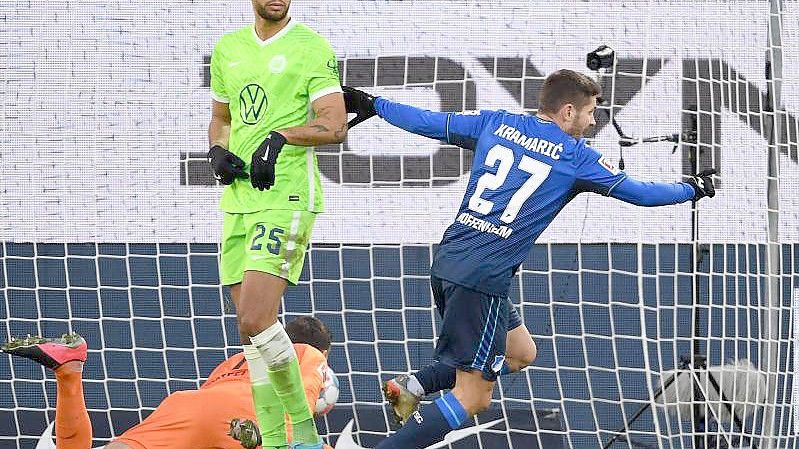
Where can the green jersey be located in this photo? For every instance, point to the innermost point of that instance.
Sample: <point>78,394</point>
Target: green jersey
<point>269,85</point>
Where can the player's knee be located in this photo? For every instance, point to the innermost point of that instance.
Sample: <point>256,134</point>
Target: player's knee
<point>275,346</point>
<point>254,323</point>
<point>527,356</point>
<point>251,325</point>
<point>475,404</point>
<point>522,354</point>
<point>483,402</point>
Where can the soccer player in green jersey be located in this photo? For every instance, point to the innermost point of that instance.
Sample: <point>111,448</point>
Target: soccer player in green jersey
<point>264,80</point>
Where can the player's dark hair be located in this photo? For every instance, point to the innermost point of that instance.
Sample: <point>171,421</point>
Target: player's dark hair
<point>309,330</point>
<point>564,87</point>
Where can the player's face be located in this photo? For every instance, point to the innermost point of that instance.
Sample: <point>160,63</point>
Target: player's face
<point>271,10</point>
<point>581,119</point>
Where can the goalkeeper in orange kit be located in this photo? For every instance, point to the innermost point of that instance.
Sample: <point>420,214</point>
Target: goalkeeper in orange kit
<point>209,417</point>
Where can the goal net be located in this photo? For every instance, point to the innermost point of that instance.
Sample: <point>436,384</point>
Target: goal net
<point>672,327</point>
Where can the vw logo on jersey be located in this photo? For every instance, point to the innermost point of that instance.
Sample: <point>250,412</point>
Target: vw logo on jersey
<point>277,64</point>
<point>252,103</point>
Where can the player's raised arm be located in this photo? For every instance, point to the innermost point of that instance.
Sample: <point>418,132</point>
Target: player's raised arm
<point>456,128</point>
<point>598,174</point>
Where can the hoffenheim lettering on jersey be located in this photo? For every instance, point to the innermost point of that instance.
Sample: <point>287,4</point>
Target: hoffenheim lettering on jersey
<point>534,144</point>
<point>484,226</point>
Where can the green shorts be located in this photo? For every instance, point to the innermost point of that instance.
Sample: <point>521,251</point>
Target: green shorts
<point>270,241</point>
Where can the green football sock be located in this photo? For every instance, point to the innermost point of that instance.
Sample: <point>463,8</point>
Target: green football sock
<point>287,381</point>
<point>271,416</point>
<point>268,408</point>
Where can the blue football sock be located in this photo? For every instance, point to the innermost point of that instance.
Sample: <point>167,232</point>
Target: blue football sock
<point>429,425</point>
<point>436,377</point>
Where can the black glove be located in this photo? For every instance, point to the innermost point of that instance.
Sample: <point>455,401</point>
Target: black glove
<point>360,103</point>
<point>226,165</point>
<point>262,173</point>
<point>702,183</point>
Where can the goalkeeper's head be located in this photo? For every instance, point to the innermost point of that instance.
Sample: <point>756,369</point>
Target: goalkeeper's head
<point>569,99</point>
<point>311,331</point>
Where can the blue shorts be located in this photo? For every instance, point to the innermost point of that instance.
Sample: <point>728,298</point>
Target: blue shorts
<point>474,328</point>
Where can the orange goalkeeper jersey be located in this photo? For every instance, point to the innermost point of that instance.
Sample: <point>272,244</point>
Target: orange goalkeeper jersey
<point>312,363</point>
<point>200,418</point>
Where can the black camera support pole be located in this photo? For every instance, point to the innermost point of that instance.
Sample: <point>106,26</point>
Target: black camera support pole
<point>599,61</point>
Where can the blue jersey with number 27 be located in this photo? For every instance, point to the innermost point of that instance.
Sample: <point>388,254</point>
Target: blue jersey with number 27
<point>525,170</point>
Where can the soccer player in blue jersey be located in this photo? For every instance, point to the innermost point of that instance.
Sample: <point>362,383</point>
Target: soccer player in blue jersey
<point>526,169</point>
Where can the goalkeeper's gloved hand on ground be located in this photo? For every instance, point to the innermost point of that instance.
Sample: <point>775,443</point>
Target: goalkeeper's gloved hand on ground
<point>262,173</point>
<point>358,102</point>
<point>702,183</point>
<point>226,165</point>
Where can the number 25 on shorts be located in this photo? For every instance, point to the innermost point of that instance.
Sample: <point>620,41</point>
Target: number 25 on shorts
<point>273,243</point>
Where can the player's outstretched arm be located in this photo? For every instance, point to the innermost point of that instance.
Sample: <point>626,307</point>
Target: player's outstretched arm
<point>418,121</point>
<point>412,119</point>
<point>596,173</point>
<point>460,129</point>
<point>660,193</point>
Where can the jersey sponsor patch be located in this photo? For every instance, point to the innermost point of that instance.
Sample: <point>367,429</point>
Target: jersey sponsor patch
<point>609,165</point>
<point>252,103</point>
